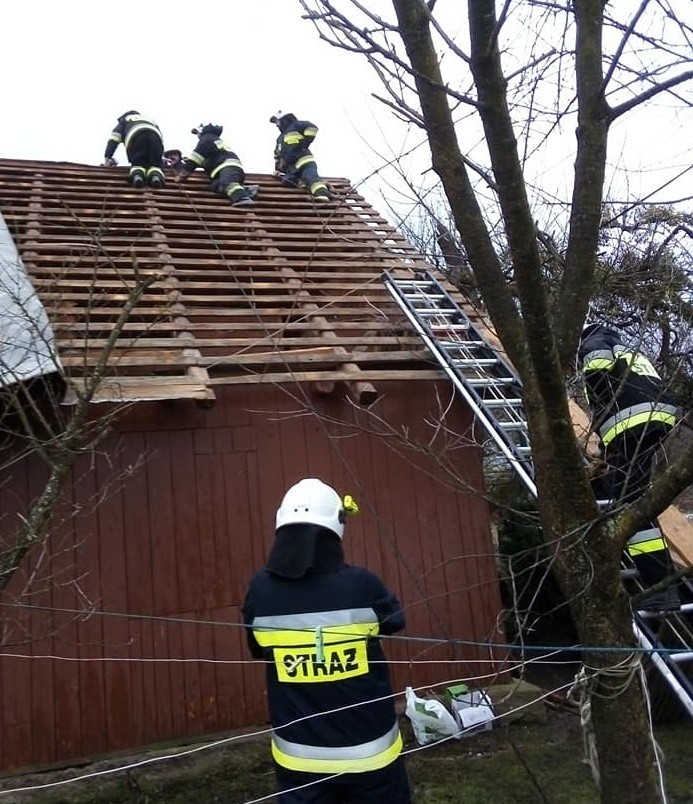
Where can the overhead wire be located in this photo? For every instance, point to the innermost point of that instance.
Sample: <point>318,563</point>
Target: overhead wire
<point>384,532</point>
<point>435,641</point>
<point>129,766</point>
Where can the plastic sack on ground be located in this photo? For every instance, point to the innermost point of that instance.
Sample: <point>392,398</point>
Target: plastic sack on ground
<point>430,720</point>
<point>473,712</point>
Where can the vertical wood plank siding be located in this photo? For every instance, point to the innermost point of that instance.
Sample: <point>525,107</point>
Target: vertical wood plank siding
<point>159,569</point>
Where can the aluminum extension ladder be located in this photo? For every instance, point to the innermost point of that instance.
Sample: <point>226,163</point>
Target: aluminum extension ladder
<point>482,375</point>
<point>491,387</point>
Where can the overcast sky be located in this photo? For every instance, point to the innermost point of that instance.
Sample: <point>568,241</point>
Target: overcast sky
<point>71,67</point>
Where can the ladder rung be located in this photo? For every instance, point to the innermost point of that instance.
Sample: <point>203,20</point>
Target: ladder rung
<point>471,362</point>
<point>520,425</point>
<point>461,344</point>
<point>424,295</point>
<point>506,401</point>
<point>437,311</point>
<point>453,328</point>
<point>490,381</point>
<point>412,283</point>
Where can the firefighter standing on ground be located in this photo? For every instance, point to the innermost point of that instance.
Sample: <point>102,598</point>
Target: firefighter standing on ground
<point>293,161</point>
<point>221,164</point>
<point>632,414</point>
<point>144,147</point>
<point>316,622</point>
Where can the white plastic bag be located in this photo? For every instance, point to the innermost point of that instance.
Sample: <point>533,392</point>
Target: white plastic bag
<point>430,720</point>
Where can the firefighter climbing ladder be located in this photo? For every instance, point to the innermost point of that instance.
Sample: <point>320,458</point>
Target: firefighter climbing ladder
<point>493,390</point>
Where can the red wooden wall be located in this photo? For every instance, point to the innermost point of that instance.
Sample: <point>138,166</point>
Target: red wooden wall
<point>158,569</point>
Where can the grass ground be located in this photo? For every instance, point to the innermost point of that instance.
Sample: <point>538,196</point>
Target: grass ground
<point>534,758</point>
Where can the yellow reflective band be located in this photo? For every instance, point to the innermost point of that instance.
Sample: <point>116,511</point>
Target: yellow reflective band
<point>319,185</point>
<point>144,126</point>
<point>304,160</point>
<point>298,665</point>
<point>226,163</point>
<point>311,131</point>
<point>198,159</point>
<point>333,765</point>
<point>650,546</point>
<point>598,364</point>
<point>280,637</point>
<point>292,138</point>
<point>637,363</point>
<point>634,421</point>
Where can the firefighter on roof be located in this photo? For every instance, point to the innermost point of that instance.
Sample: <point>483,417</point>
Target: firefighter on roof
<point>293,161</point>
<point>221,164</point>
<point>316,621</point>
<point>632,414</point>
<point>144,147</point>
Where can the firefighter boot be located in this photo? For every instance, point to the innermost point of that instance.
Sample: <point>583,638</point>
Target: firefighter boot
<point>320,192</point>
<point>155,178</point>
<point>136,177</point>
<point>238,195</point>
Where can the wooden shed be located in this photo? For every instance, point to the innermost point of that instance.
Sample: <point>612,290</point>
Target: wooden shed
<point>265,348</point>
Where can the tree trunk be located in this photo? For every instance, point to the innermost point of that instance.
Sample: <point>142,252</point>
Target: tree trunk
<point>587,555</point>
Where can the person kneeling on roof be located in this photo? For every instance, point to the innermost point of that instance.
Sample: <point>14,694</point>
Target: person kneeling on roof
<point>221,164</point>
<point>294,164</point>
<point>144,147</point>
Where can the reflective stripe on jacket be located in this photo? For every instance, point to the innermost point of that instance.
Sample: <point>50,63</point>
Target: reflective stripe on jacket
<point>293,143</point>
<point>362,758</point>
<point>634,416</point>
<point>623,388</point>
<point>212,155</point>
<point>127,128</point>
<point>646,541</point>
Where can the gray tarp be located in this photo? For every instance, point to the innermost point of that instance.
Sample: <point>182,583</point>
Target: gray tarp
<point>27,346</point>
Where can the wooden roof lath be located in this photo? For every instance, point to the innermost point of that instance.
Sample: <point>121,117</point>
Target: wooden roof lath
<point>285,291</point>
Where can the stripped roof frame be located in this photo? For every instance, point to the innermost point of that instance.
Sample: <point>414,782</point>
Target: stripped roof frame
<point>284,291</point>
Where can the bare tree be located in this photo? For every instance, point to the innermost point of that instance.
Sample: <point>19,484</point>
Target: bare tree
<point>588,63</point>
<point>35,422</point>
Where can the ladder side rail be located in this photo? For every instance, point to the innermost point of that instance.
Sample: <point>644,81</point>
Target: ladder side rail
<point>471,398</point>
<point>671,674</point>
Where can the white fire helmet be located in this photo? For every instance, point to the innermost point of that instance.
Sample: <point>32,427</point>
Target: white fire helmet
<point>310,501</point>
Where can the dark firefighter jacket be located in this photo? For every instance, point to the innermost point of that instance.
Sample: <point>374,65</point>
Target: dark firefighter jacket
<point>292,145</point>
<point>319,637</point>
<point>212,155</point>
<point>128,126</point>
<point>623,388</point>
